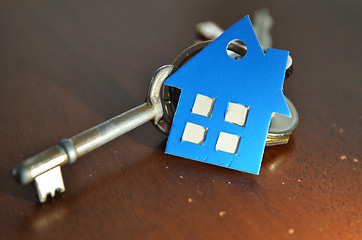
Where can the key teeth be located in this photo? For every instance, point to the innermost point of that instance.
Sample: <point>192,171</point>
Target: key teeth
<point>49,183</point>
<point>43,198</point>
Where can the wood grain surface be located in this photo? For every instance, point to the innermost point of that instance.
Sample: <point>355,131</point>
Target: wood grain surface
<point>67,66</point>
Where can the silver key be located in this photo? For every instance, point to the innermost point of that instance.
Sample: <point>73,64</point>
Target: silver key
<point>44,168</point>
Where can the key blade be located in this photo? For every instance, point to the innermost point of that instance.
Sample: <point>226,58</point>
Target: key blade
<point>48,183</point>
<point>263,22</point>
<point>209,30</point>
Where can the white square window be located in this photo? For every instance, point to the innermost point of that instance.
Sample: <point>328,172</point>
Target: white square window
<point>228,143</point>
<point>203,105</point>
<point>236,114</point>
<point>194,133</point>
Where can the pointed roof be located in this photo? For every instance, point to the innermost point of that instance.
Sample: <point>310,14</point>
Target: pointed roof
<point>255,79</point>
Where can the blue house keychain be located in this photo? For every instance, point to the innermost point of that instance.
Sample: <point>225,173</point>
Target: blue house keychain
<point>226,104</point>
<point>223,116</point>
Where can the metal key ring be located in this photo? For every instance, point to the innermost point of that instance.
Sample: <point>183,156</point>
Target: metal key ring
<point>281,126</point>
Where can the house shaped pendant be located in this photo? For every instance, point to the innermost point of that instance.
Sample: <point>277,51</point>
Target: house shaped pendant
<point>226,105</point>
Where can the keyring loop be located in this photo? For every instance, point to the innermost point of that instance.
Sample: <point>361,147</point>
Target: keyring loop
<point>154,97</point>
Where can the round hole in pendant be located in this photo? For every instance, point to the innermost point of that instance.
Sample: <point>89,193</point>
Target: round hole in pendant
<point>236,49</point>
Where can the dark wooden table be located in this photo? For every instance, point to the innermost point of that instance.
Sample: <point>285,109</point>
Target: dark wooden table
<point>65,67</point>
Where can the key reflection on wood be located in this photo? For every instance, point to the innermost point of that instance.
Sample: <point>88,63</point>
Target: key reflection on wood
<point>45,217</point>
<point>276,155</point>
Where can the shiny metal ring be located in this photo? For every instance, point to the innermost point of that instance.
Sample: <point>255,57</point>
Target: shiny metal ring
<point>154,97</point>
